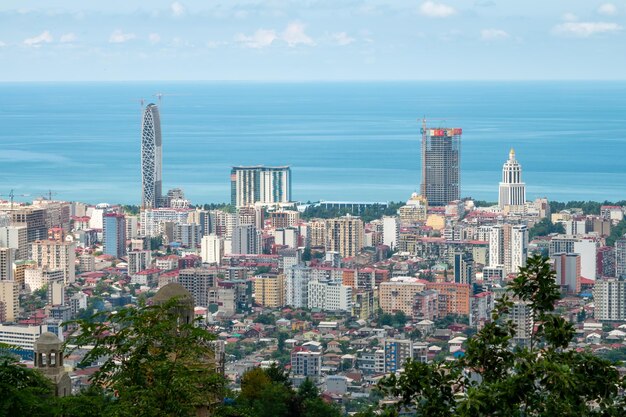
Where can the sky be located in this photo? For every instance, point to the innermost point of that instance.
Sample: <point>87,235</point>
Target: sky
<point>272,40</point>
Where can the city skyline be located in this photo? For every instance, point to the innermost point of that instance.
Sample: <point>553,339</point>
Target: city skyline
<point>315,40</point>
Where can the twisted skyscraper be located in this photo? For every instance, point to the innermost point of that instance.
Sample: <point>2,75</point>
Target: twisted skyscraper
<point>151,158</point>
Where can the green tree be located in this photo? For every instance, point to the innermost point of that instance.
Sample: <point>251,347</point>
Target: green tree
<point>494,378</point>
<point>399,319</point>
<point>265,319</point>
<point>156,364</point>
<point>544,227</point>
<point>23,391</point>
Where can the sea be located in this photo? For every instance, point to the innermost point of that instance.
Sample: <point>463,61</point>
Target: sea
<point>344,141</point>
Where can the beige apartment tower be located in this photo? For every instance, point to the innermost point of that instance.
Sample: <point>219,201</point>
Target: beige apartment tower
<point>269,290</point>
<point>345,235</point>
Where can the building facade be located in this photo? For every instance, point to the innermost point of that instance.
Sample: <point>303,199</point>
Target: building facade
<point>151,158</point>
<point>260,184</point>
<point>114,235</point>
<point>441,161</point>
<point>512,190</point>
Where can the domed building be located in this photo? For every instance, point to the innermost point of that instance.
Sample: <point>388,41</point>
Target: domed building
<point>512,189</point>
<point>49,361</point>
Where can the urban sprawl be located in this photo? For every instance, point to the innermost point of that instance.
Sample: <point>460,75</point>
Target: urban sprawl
<point>341,293</point>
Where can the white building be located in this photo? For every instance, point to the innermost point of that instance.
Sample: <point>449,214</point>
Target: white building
<point>7,257</point>
<point>306,363</point>
<point>287,237</point>
<point>56,255</point>
<point>588,250</point>
<point>152,220</point>
<point>609,296</point>
<point>212,249</point>
<point>512,189</point>
<point>260,184</point>
<point>15,237</point>
<point>391,231</point>
<point>24,336</point>
<point>296,286</point>
<point>329,297</point>
<point>37,278</point>
<point>247,240</point>
<point>138,261</point>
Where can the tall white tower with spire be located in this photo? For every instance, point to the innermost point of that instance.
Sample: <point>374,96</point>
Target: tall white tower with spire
<point>512,189</point>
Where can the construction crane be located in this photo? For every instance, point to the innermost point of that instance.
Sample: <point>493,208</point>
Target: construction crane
<point>12,195</point>
<point>49,194</point>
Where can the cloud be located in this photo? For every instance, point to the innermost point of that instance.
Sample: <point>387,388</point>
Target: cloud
<point>342,39</point>
<point>178,9</point>
<point>607,9</point>
<point>43,37</point>
<point>432,9</point>
<point>68,38</point>
<point>586,29</point>
<point>294,35</point>
<point>120,37</point>
<point>154,38</point>
<point>260,39</point>
<point>570,17</point>
<point>2,44</point>
<point>493,34</point>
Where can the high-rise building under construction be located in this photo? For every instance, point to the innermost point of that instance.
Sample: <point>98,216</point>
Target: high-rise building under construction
<point>441,160</point>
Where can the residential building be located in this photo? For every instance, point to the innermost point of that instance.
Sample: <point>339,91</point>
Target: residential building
<point>329,296</point>
<point>212,249</point>
<point>7,257</point>
<point>246,240</point>
<point>345,235</point>
<point>269,290</point>
<point>306,363</point>
<point>281,219</point>
<point>609,296</point>
<point>620,257</point>
<point>198,281</point>
<point>9,301</point>
<point>114,235</point>
<point>260,184</point>
<point>399,294</point>
<point>397,353</point>
<point>567,267</point>
<point>56,255</point>
<point>37,278</point>
<point>441,161</point>
<point>296,286</point>
<point>139,260</point>
<point>391,231</point>
<point>15,237</point>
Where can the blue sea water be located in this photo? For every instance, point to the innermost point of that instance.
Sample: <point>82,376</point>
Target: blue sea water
<point>344,141</point>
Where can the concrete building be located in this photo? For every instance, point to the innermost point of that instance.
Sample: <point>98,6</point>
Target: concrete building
<point>9,301</point>
<point>281,219</point>
<point>246,240</point>
<point>36,278</point>
<point>397,353</point>
<point>7,257</point>
<point>56,255</point>
<point>521,315</point>
<point>198,281</point>
<point>441,161</point>
<point>620,257</point>
<point>35,220</point>
<point>414,211</point>
<point>86,262</point>
<point>212,249</point>
<point>399,294</point>
<point>345,235</point>
<point>269,290</point>
<point>306,363</point>
<point>508,247</point>
<point>114,235</point>
<point>512,190</point>
<point>609,295</point>
<point>329,296</point>
<point>453,298</point>
<point>391,231</point>
<point>287,237</point>
<point>317,229</point>
<point>15,237</point>
<point>296,286</point>
<point>463,268</point>
<point>260,184</point>
<point>139,260</point>
<point>567,267</point>
<point>152,220</point>
<point>187,234</point>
